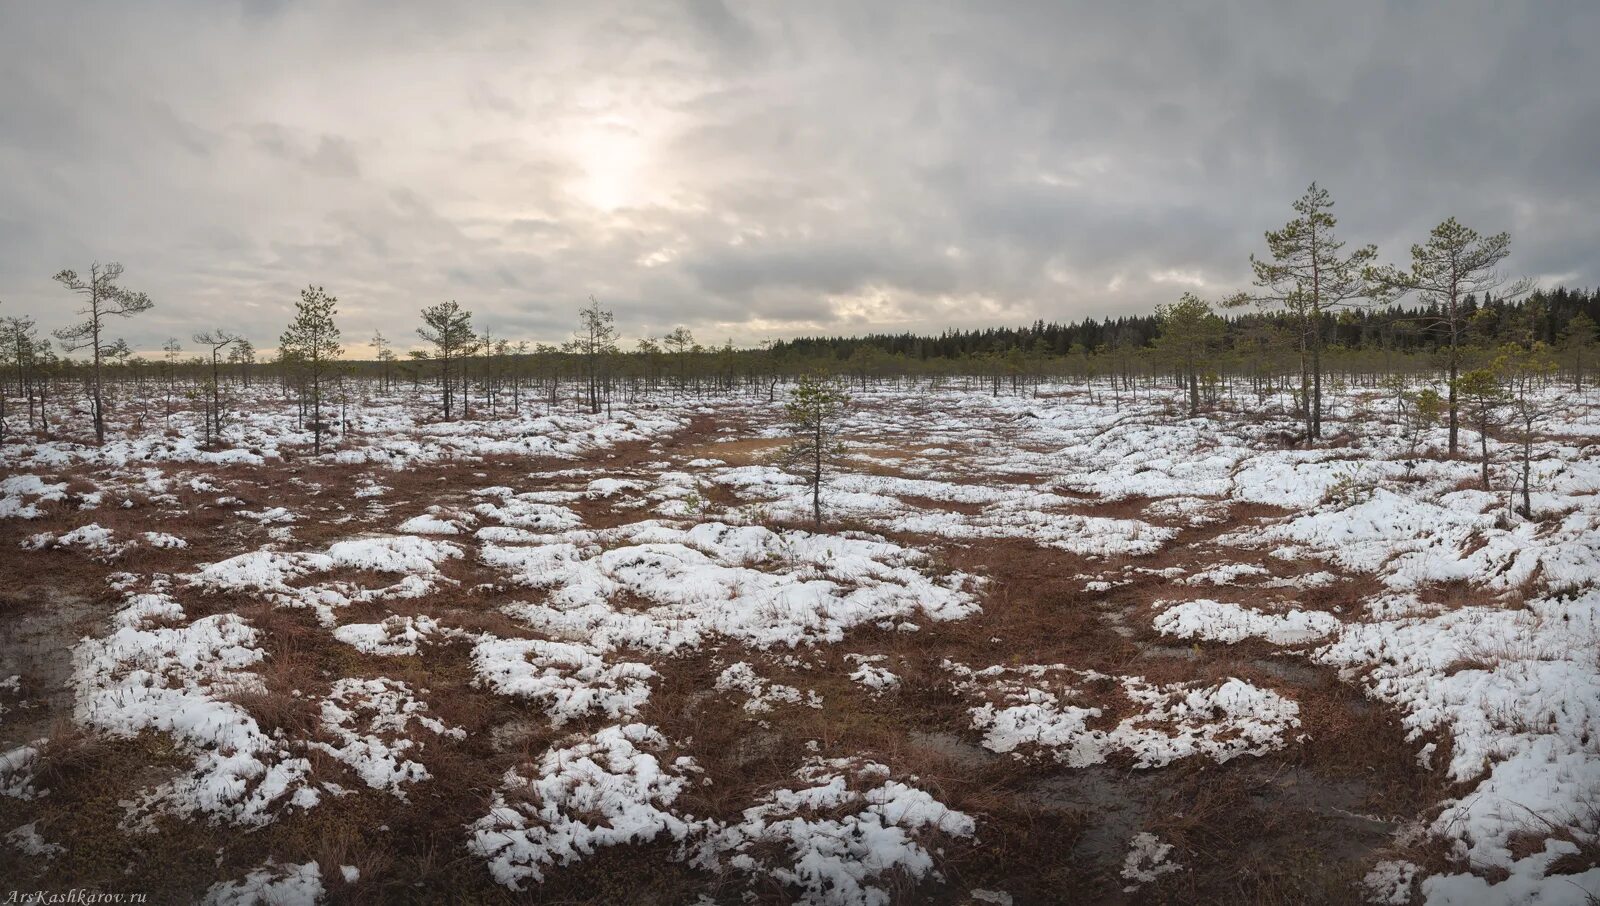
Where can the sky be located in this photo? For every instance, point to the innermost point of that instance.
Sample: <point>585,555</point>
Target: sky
<point>762,170</point>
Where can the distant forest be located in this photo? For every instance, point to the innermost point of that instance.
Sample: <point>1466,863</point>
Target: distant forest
<point>1540,316</point>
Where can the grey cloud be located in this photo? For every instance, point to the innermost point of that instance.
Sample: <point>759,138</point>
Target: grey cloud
<point>723,32</point>
<point>754,169</point>
<point>333,157</point>
<point>327,155</point>
<point>823,267</point>
<point>262,9</point>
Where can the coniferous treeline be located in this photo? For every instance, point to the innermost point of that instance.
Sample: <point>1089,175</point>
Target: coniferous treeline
<point>1547,313</point>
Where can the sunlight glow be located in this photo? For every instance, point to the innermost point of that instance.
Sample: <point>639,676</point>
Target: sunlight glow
<point>613,156</point>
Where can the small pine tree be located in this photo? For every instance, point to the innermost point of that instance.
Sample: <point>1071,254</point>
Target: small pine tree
<point>169,370</point>
<point>1523,371</point>
<point>384,354</point>
<point>813,412</point>
<point>448,327</point>
<point>1453,266</point>
<point>1482,395</point>
<point>243,354</point>
<point>312,341</point>
<point>23,346</point>
<point>1190,335</point>
<point>1425,407</point>
<point>680,343</point>
<point>1578,346</point>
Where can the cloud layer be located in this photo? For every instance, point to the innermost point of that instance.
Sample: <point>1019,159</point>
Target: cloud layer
<point>756,170</point>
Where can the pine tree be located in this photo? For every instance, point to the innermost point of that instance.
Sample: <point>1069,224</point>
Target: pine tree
<point>385,355</point>
<point>1523,371</point>
<point>680,342</point>
<point>21,343</point>
<point>813,412</point>
<point>1190,335</point>
<point>1309,275</point>
<point>1453,266</point>
<point>1482,395</point>
<point>448,327</point>
<point>169,370</point>
<point>243,354</point>
<point>312,341</point>
<point>103,299</point>
<point>1578,346</point>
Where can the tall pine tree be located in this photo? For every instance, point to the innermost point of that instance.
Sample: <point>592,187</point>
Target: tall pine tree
<point>1308,275</point>
<point>312,342</point>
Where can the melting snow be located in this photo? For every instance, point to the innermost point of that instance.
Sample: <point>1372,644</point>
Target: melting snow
<point>745,583</point>
<point>273,884</point>
<point>175,680</point>
<point>611,788</point>
<point>568,681</point>
<point>1036,706</point>
<point>760,694</point>
<point>1148,859</point>
<point>1219,621</point>
<point>371,720</point>
<point>845,835</point>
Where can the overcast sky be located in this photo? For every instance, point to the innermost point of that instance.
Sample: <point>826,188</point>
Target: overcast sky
<point>756,170</point>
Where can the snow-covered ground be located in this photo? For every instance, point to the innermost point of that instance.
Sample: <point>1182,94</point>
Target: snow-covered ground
<point>555,637</point>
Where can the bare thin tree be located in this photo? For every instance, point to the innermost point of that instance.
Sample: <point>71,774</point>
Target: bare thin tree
<point>216,340</point>
<point>594,342</point>
<point>385,355</point>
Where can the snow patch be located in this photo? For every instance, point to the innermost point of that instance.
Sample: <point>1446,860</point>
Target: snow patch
<point>745,583</point>
<point>1045,708</point>
<point>568,681</point>
<point>274,884</point>
<point>611,788</point>
<point>846,835</point>
<point>371,720</point>
<point>1219,621</point>
<point>1148,859</point>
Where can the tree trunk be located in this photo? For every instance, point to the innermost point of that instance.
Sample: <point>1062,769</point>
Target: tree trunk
<point>1452,404</point>
<point>316,407</point>
<point>1527,472</point>
<point>99,403</point>
<point>816,478</point>
<point>1316,378</point>
<point>1483,447</point>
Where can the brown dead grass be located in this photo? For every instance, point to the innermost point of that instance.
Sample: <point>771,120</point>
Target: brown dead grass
<point>754,451</point>
<point>1242,834</point>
